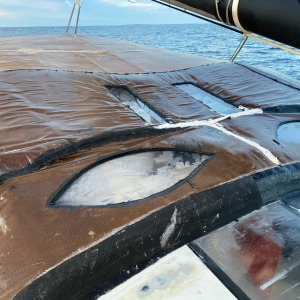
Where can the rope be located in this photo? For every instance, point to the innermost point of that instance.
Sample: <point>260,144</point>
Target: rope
<point>217,9</point>
<point>227,22</point>
<point>239,48</point>
<point>227,12</point>
<point>292,50</point>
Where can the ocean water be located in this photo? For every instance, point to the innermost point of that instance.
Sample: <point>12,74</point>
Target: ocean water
<point>203,39</point>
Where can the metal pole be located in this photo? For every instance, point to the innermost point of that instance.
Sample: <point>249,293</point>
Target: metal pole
<point>77,18</point>
<point>70,18</point>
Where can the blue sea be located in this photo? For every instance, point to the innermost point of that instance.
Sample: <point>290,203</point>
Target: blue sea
<point>203,39</point>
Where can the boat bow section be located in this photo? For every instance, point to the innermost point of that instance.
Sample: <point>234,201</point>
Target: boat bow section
<point>216,135</point>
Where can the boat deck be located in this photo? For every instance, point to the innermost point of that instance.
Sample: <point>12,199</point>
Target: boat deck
<point>90,54</point>
<point>59,116</point>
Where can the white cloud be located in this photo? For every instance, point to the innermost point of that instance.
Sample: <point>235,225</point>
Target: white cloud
<point>69,3</point>
<point>7,14</point>
<point>4,13</point>
<point>130,3</point>
<point>49,5</point>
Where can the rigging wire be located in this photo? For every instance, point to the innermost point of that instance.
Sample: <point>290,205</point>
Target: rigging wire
<point>239,48</point>
<point>75,2</point>
<point>270,42</point>
<point>79,7</point>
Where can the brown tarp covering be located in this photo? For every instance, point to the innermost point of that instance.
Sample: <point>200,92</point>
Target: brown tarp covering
<point>37,238</point>
<point>91,54</point>
<point>44,110</point>
<point>55,108</point>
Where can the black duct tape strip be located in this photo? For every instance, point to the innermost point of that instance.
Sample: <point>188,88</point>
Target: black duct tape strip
<point>107,264</point>
<point>283,109</point>
<point>278,182</point>
<point>52,155</point>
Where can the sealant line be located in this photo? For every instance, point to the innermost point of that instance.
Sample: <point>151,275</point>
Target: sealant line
<point>267,153</point>
<point>210,121</point>
<point>215,124</point>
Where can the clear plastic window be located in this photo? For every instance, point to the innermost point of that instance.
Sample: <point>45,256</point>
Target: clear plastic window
<point>289,132</point>
<point>216,104</point>
<point>260,253</point>
<point>136,105</point>
<point>130,177</point>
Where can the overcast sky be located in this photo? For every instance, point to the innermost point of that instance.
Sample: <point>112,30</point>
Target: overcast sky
<point>18,13</point>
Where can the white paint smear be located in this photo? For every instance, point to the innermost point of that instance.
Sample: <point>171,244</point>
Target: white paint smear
<point>3,226</point>
<point>169,230</point>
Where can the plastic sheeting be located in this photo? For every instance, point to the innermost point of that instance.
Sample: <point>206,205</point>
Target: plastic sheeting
<point>57,123</point>
<point>36,233</point>
<point>44,110</point>
<point>260,253</point>
<point>41,110</point>
<point>263,129</point>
